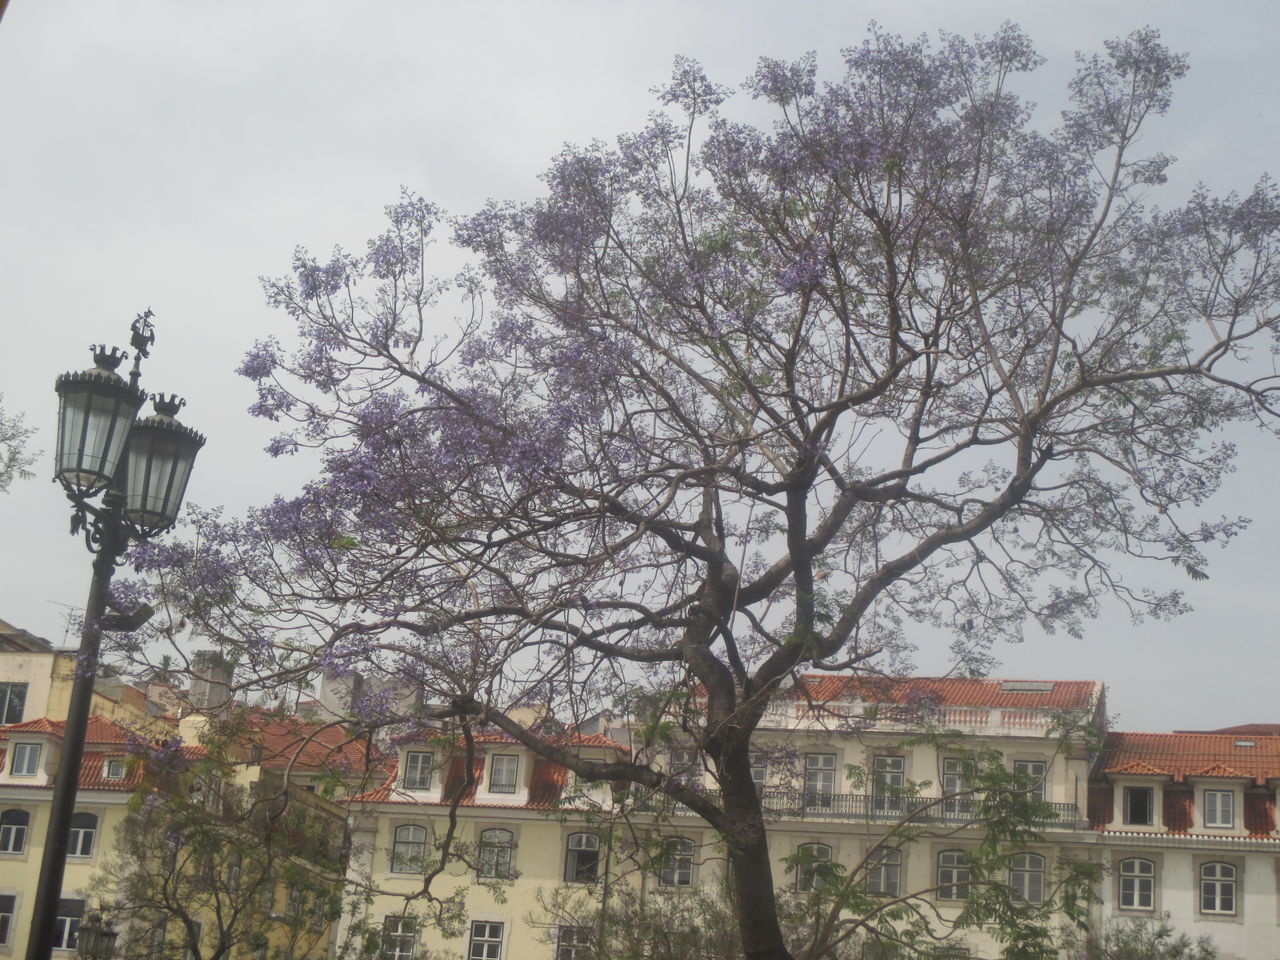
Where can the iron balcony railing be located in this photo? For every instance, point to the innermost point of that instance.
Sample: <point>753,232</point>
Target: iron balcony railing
<point>815,805</point>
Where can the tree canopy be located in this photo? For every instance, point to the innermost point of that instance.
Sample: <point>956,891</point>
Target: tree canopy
<point>729,401</point>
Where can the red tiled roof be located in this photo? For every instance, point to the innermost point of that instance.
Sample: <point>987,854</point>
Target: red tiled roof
<point>946,691</point>
<point>289,742</point>
<point>1244,730</point>
<point>1182,755</point>
<point>98,730</point>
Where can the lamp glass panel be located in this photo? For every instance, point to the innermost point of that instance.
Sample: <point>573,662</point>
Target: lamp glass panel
<point>92,432</point>
<point>159,465</point>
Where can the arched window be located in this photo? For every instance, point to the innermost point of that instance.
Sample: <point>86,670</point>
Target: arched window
<point>1217,888</point>
<point>1026,877</point>
<point>953,875</point>
<point>677,869</point>
<point>496,848</point>
<point>812,865</point>
<point>13,830</point>
<point>884,872</point>
<point>1137,884</point>
<point>84,827</point>
<point>409,849</point>
<point>582,858</point>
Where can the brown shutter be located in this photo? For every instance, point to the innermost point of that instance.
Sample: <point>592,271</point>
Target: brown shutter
<point>1259,812</point>
<point>1102,804</point>
<point>1179,806</point>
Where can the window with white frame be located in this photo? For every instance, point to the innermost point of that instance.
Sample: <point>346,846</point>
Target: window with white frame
<point>1137,884</point>
<point>1217,888</point>
<point>113,769</point>
<point>1140,806</point>
<point>1219,809</point>
<point>497,845</point>
<point>399,937</point>
<point>1032,773</point>
<point>582,858</point>
<point>13,699</point>
<point>573,943</point>
<point>952,784</point>
<point>677,867</point>
<point>884,872</point>
<point>8,907</point>
<point>1026,877</point>
<point>26,760</point>
<point>417,770</point>
<point>888,778</point>
<point>84,828</point>
<point>682,766</point>
<point>503,768</point>
<point>486,941</point>
<point>13,830</point>
<point>409,849</point>
<point>953,875</point>
<point>66,924</point>
<point>819,780</point>
<point>759,772</point>
<point>813,864</point>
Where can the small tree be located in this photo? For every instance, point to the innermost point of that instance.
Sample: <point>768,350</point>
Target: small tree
<point>1135,939</point>
<point>206,869</point>
<point>734,402</point>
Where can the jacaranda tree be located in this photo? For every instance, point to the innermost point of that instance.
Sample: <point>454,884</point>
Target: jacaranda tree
<point>727,402</point>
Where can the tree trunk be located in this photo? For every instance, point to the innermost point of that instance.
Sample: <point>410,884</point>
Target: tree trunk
<point>754,898</point>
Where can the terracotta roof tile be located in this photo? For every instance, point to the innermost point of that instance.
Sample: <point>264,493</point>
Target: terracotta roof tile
<point>98,730</point>
<point>1182,755</point>
<point>302,745</point>
<point>946,691</point>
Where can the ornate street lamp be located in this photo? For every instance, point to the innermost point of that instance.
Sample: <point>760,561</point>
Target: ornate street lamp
<point>96,940</point>
<point>140,468</point>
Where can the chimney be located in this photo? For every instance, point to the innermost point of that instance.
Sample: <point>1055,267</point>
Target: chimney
<point>210,692</point>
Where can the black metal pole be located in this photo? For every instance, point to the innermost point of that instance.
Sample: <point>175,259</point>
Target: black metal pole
<point>67,779</point>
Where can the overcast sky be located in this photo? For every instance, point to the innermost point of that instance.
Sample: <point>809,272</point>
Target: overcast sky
<point>167,154</point>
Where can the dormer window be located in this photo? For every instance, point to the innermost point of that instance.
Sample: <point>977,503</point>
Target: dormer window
<point>113,769</point>
<point>503,769</point>
<point>1140,806</point>
<point>417,770</point>
<point>1219,809</point>
<point>26,760</point>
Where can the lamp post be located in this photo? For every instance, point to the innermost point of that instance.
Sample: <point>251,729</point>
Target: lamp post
<point>140,468</point>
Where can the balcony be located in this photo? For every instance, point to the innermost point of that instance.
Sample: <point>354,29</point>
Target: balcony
<point>781,804</point>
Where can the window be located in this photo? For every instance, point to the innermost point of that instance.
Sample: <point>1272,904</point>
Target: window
<point>417,770</point>
<point>8,905</point>
<point>67,924</point>
<point>235,870</point>
<point>813,865</point>
<point>819,780</point>
<point>759,772</point>
<point>502,773</point>
<point>573,943</point>
<point>84,827</point>
<point>953,875</point>
<point>1139,805</point>
<point>294,900</point>
<point>884,872</point>
<point>887,782</point>
<point>409,849</point>
<point>1032,772</point>
<point>1026,877</point>
<point>1217,888</point>
<point>113,769</point>
<point>486,941</point>
<point>1137,884</point>
<point>26,760</point>
<point>682,767</point>
<point>1219,808</point>
<point>582,858</point>
<point>13,830</point>
<point>496,846</point>
<point>677,870</point>
<point>399,937</point>
<point>952,784</point>
<point>13,698</point>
